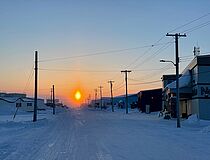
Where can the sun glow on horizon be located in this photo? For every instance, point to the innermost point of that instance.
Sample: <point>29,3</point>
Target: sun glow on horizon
<point>77,95</point>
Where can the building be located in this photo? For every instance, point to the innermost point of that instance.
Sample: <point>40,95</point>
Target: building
<point>194,89</point>
<point>166,79</point>
<point>9,102</point>
<point>150,100</point>
<point>98,103</point>
<point>120,101</point>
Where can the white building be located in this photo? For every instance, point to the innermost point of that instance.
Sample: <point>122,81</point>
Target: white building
<point>194,89</point>
<point>10,101</point>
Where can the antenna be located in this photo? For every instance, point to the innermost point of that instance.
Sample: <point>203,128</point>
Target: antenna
<point>196,51</point>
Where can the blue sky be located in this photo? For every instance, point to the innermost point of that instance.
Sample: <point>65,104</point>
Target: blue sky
<point>61,28</point>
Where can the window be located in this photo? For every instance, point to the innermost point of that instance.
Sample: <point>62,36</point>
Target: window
<point>29,104</point>
<point>18,104</point>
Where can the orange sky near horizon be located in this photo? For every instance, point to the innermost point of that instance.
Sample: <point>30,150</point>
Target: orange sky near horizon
<point>67,83</point>
<point>83,45</point>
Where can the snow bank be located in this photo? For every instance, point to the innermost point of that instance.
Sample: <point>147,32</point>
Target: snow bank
<point>23,116</point>
<point>193,119</point>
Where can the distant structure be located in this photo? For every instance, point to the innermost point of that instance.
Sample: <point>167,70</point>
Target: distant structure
<point>196,51</point>
<point>57,103</point>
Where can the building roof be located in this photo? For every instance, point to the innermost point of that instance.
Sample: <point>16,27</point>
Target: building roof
<point>168,77</point>
<point>184,81</point>
<point>148,90</point>
<point>201,60</point>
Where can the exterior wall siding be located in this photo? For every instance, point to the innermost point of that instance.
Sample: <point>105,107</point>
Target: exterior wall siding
<point>204,110</point>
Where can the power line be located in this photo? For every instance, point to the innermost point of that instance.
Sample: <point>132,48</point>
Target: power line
<point>145,82</point>
<point>190,57</point>
<point>186,56</point>
<point>29,79</point>
<point>196,27</point>
<point>75,70</point>
<point>119,87</point>
<point>204,72</point>
<point>99,53</point>
<point>153,55</point>
<point>151,75</point>
<point>181,26</point>
<point>144,53</point>
<point>154,69</point>
<point>190,22</point>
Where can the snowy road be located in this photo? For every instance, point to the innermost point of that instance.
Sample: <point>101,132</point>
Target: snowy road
<point>100,135</point>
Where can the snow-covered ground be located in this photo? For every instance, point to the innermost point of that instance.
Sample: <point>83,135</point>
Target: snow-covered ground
<point>89,134</point>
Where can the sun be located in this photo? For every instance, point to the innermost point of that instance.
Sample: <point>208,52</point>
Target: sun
<point>77,95</point>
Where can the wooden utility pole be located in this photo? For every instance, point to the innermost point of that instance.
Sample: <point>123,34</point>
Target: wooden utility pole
<point>95,97</point>
<point>126,88</point>
<point>100,87</point>
<point>111,86</point>
<point>36,86</point>
<point>89,99</point>
<point>53,99</point>
<point>177,35</point>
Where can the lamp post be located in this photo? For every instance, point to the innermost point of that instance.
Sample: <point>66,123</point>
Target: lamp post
<point>177,89</point>
<point>162,60</point>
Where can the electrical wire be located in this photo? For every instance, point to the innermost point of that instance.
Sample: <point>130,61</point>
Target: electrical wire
<point>145,82</point>
<point>29,79</point>
<point>190,22</point>
<point>179,27</point>
<point>75,70</point>
<point>196,27</point>
<point>153,55</point>
<point>119,86</point>
<point>151,75</point>
<point>144,53</point>
<point>117,51</point>
<point>135,48</point>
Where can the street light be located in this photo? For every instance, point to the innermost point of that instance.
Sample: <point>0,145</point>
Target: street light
<point>177,89</point>
<point>162,60</point>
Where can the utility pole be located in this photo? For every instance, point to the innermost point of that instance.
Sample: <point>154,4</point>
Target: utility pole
<point>89,99</point>
<point>53,99</point>
<point>177,35</point>
<point>111,86</point>
<point>126,88</point>
<point>95,97</point>
<point>100,87</point>
<point>36,86</point>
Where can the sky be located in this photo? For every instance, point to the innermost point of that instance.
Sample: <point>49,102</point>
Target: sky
<point>84,44</point>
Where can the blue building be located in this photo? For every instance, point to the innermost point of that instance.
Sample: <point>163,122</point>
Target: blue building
<point>119,101</point>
